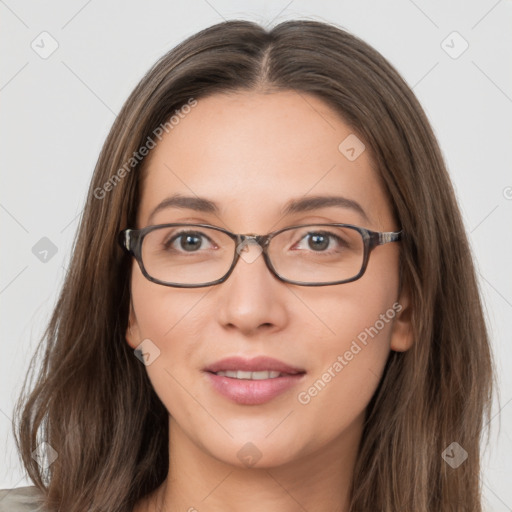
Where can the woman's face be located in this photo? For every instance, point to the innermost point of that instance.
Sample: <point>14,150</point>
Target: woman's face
<point>252,154</point>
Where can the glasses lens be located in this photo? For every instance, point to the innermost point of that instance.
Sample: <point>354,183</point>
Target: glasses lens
<point>187,254</point>
<point>317,254</point>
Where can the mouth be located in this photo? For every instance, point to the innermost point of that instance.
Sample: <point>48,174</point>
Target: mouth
<point>252,381</point>
<point>242,375</point>
<point>260,367</point>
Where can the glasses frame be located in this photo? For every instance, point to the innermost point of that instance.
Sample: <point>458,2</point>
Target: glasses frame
<point>131,241</point>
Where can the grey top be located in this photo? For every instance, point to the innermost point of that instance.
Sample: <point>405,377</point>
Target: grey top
<point>21,499</point>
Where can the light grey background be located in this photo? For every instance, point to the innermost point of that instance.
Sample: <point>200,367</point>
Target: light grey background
<point>56,112</point>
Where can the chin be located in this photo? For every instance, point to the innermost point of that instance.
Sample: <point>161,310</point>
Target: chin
<point>260,453</point>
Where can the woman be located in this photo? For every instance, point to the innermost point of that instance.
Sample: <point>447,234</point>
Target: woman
<point>193,363</point>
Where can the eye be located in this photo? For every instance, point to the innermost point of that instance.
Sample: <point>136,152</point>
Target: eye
<point>319,241</point>
<point>188,241</point>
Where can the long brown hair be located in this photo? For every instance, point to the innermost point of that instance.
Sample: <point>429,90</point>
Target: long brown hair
<point>93,402</point>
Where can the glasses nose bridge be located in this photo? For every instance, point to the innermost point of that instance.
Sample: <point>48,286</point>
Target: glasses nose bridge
<point>261,240</point>
<point>244,240</point>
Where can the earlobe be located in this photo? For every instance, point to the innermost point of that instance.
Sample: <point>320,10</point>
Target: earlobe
<point>402,332</point>
<point>132,330</point>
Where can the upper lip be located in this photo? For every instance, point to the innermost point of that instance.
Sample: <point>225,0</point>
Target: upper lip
<point>256,364</point>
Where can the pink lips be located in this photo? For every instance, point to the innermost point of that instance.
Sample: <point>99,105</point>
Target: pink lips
<point>257,364</point>
<point>253,392</point>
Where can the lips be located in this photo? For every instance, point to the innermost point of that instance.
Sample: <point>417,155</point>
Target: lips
<point>256,364</point>
<point>238,374</point>
<point>252,381</point>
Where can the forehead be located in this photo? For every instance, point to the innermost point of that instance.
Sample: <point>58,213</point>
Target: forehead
<point>252,153</point>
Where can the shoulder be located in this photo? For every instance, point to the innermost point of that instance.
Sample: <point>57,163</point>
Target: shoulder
<point>21,499</point>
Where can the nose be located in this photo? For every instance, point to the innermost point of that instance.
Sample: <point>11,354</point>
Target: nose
<point>252,298</point>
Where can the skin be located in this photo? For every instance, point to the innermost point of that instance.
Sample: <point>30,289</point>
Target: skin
<point>251,153</point>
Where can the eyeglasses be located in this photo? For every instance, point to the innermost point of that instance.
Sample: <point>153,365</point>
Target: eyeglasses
<point>197,255</point>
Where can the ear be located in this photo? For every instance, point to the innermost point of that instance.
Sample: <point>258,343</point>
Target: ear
<point>402,333</point>
<point>132,330</point>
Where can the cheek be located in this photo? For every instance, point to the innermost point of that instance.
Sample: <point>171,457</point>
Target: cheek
<point>169,318</point>
<point>160,310</point>
<point>347,373</point>
<point>351,365</point>
<point>173,319</point>
<point>349,359</point>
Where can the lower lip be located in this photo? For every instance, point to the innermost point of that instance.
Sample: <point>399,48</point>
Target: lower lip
<point>252,392</point>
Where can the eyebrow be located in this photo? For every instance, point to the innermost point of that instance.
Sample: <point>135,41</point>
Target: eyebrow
<point>305,204</point>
